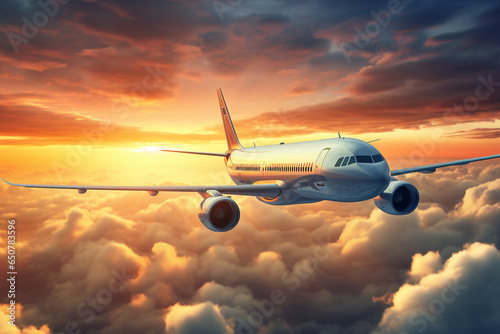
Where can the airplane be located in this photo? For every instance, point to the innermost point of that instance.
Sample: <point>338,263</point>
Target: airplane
<point>336,169</point>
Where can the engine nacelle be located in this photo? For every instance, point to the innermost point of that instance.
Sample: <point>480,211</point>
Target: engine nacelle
<point>219,213</point>
<point>399,198</point>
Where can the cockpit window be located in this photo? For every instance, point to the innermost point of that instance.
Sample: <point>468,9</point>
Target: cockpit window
<point>377,158</point>
<point>366,159</point>
<point>362,159</point>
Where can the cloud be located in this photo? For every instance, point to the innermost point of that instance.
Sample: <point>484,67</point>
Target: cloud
<point>411,74</point>
<point>301,88</point>
<point>477,133</point>
<point>7,328</point>
<point>330,264</point>
<point>454,299</point>
<point>115,263</point>
<point>22,124</point>
<point>205,317</point>
<point>423,265</point>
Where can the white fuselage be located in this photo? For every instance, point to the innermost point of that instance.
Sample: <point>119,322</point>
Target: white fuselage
<point>309,170</point>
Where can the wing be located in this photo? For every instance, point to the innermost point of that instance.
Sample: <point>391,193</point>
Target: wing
<point>264,190</point>
<point>200,153</point>
<point>432,168</point>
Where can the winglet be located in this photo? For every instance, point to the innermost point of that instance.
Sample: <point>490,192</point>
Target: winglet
<point>12,184</point>
<point>232,139</point>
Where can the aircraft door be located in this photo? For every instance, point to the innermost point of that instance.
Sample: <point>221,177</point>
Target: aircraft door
<point>320,160</point>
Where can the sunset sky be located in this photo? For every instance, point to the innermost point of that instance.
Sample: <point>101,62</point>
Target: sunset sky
<point>90,91</point>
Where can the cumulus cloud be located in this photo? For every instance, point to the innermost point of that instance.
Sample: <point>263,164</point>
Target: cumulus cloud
<point>454,299</point>
<point>201,318</point>
<point>7,328</point>
<point>130,265</point>
<point>423,265</point>
<point>319,267</point>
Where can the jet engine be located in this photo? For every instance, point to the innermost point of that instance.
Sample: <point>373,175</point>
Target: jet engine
<point>219,213</point>
<point>399,198</point>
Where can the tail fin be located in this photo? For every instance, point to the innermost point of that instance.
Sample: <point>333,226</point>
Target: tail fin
<point>231,137</point>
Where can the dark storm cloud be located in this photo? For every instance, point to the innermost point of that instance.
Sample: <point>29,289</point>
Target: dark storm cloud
<point>139,21</point>
<point>401,110</point>
<point>85,48</point>
<point>483,32</point>
<point>334,61</point>
<point>102,48</point>
<point>266,40</point>
<point>430,70</point>
<point>420,77</point>
<point>419,15</point>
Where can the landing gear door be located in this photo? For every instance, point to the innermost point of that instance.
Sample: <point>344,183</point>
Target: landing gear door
<point>320,160</point>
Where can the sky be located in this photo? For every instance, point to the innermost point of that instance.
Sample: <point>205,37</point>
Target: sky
<point>91,90</point>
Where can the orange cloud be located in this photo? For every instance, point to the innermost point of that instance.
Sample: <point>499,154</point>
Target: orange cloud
<point>29,125</point>
<point>205,318</point>
<point>175,272</point>
<point>478,133</point>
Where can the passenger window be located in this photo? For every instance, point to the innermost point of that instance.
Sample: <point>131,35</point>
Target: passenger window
<point>377,158</point>
<point>352,160</point>
<point>339,162</point>
<point>364,159</point>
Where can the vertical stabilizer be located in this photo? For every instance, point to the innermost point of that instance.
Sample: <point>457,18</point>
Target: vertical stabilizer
<point>232,139</point>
